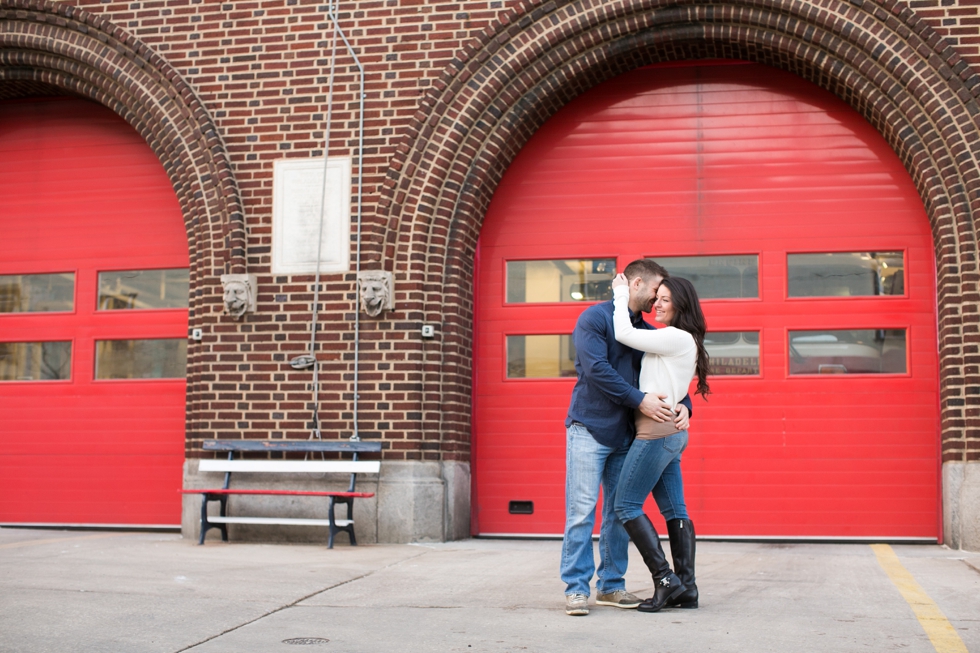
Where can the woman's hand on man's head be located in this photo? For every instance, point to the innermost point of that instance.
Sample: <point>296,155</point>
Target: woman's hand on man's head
<point>619,280</point>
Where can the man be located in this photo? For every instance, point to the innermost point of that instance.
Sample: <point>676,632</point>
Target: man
<point>599,430</point>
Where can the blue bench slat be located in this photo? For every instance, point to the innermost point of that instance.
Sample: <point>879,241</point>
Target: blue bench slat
<point>291,445</point>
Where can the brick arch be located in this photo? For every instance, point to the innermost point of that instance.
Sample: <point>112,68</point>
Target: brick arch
<point>46,46</point>
<point>880,58</point>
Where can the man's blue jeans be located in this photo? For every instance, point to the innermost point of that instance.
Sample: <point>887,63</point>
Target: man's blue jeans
<point>643,469</point>
<point>588,465</point>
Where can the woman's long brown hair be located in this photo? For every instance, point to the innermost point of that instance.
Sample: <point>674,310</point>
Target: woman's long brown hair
<point>688,317</point>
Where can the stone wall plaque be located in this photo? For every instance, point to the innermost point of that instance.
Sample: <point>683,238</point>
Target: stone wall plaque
<point>296,199</point>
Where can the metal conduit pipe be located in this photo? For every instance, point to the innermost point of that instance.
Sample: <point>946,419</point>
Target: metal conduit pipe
<point>360,170</point>
<point>308,360</point>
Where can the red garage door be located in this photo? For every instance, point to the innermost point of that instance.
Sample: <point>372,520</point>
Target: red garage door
<point>813,256</point>
<point>93,320</point>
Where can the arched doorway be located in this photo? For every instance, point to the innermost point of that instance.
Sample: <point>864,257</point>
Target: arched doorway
<point>813,255</point>
<point>93,320</point>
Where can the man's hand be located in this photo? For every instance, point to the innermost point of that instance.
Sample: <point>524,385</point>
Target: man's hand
<point>683,419</point>
<point>653,406</point>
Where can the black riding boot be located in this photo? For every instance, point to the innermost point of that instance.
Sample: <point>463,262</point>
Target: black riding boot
<point>682,545</point>
<point>665,584</point>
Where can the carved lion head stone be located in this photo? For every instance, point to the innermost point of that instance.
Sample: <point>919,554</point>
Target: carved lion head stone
<point>376,291</point>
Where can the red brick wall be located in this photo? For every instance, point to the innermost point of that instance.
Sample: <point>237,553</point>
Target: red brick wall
<point>452,92</point>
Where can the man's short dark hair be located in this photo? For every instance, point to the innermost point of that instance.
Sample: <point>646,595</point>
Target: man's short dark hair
<point>646,269</point>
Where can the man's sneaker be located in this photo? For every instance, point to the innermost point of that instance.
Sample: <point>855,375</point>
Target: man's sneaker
<point>618,599</point>
<point>576,604</point>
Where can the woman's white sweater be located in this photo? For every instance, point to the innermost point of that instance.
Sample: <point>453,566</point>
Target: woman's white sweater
<point>671,354</point>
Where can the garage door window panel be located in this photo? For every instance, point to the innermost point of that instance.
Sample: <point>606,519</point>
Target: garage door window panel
<point>717,277</point>
<point>550,356</point>
<point>846,274</point>
<point>160,358</point>
<point>143,289</point>
<point>559,281</point>
<point>733,353</point>
<point>37,293</point>
<point>848,351</point>
<point>35,361</point>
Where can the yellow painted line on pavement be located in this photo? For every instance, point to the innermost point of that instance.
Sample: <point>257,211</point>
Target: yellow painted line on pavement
<point>52,540</point>
<point>941,633</point>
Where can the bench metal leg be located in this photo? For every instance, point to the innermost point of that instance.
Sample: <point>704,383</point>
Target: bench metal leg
<point>350,517</point>
<point>349,528</point>
<point>223,501</point>
<point>207,525</point>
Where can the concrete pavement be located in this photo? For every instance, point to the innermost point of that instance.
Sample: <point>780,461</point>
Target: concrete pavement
<point>118,592</point>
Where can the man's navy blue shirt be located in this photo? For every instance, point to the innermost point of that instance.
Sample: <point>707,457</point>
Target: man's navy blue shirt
<point>608,377</point>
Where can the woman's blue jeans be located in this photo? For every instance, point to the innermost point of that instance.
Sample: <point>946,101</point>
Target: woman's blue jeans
<point>652,465</point>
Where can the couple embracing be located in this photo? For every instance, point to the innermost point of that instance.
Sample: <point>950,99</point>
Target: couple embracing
<point>626,430</point>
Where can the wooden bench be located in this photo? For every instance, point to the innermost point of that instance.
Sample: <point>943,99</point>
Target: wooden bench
<point>309,447</point>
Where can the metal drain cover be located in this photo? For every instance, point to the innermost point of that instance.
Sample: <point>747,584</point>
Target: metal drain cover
<point>306,641</point>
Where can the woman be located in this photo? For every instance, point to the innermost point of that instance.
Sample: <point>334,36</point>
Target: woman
<point>674,356</point>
